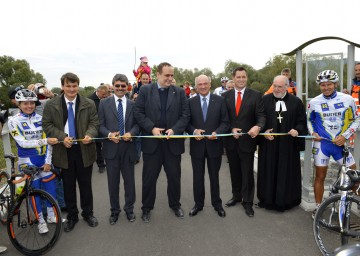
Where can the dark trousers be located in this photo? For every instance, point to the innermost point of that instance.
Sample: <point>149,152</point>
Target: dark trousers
<point>77,172</point>
<point>151,170</point>
<point>99,156</point>
<point>121,164</point>
<point>242,174</point>
<point>198,165</point>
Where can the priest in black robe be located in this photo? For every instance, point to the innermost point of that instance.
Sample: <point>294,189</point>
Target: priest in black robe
<point>279,167</point>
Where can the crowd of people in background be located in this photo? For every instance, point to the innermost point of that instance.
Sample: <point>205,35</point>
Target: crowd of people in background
<point>80,131</point>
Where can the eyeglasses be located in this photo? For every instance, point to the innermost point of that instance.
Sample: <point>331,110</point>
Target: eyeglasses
<point>120,85</point>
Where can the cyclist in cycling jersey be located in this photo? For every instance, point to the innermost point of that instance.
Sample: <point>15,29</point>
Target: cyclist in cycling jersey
<point>332,119</point>
<point>221,89</point>
<point>33,148</point>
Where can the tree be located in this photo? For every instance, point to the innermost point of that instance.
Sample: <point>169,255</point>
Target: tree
<point>56,90</point>
<point>87,91</point>
<point>274,66</point>
<point>15,72</point>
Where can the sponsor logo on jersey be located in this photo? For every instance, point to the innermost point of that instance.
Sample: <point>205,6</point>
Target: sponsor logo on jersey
<point>315,151</point>
<point>14,133</point>
<point>339,105</point>
<point>324,107</point>
<point>38,124</point>
<point>25,125</point>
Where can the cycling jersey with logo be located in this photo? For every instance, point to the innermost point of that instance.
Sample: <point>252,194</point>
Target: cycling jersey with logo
<point>30,140</point>
<point>332,116</point>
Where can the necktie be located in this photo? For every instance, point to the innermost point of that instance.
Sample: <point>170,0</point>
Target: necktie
<point>204,108</point>
<point>120,117</point>
<point>71,121</point>
<point>238,103</point>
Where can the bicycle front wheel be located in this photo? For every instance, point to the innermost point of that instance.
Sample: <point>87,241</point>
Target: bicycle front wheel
<point>326,228</point>
<point>25,231</point>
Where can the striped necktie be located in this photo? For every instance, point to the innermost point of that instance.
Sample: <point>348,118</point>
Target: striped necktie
<point>121,118</point>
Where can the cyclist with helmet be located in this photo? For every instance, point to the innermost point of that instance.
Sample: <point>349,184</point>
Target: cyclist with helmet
<point>33,148</point>
<point>220,90</point>
<point>332,119</point>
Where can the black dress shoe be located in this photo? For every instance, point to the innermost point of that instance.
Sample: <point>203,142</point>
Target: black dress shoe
<point>232,202</point>
<point>146,216</point>
<point>221,212</point>
<point>248,210</point>
<point>91,220</point>
<point>130,216</point>
<point>195,210</point>
<point>69,225</point>
<point>113,218</point>
<point>260,205</point>
<point>179,213</point>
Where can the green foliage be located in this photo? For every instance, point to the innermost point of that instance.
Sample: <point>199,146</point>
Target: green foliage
<point>15,72</point>
<point>87,91</point>
<point>56,90</point>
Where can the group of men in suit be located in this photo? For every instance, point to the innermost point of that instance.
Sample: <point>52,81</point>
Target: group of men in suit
<point>160,109</point>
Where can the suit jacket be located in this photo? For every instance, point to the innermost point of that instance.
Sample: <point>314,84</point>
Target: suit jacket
<point>86,123</point>
<point>96,100</point>
<point>217,120</point>
<point>148,112</point>
<point>108,118</point>
<point>251,113</point>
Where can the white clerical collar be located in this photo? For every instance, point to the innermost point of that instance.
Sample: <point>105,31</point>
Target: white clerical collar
<point>282,104</point>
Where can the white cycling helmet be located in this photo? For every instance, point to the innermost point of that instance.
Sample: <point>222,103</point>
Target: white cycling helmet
<point>26,95</point>
<point>224,78</point>
<point>327,76</point>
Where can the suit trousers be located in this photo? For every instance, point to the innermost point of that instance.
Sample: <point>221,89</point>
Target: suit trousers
<point>99,155</point>
<point>153,163</point>
<point>77,172</point>
<point>121,164</point>
<point>242,174</point>
<point>198,165</point>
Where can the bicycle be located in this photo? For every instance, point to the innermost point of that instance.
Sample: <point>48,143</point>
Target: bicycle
<point>334,218</point>
<point>22,217</point>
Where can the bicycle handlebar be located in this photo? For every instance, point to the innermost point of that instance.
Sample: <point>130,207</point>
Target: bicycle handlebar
<point>353,179</point>
<point>29,171</point>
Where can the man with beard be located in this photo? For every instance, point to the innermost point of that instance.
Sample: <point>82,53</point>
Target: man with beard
<point>279,167</point>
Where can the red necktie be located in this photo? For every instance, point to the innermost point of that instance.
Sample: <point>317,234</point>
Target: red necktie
<point>238,103</point>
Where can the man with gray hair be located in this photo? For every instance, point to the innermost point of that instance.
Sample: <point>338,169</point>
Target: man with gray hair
<point>209,148</point>
<point>279,167</point>
<point>117,122</point>
<point>100,93</point>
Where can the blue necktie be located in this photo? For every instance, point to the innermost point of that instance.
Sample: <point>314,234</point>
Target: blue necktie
<point>71,121</point>
<point>120,117</point>
<point>204,108</point>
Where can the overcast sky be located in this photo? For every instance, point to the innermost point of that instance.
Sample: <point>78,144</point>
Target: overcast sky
<point>97,39</point>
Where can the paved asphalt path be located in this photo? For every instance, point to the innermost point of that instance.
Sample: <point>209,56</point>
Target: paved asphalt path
<point>268,233</point>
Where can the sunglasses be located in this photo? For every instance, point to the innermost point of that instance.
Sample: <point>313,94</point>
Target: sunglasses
<point>120,85</point>
<point>224,81</point>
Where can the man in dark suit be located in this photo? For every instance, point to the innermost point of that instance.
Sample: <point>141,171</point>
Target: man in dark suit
<point>246,113</point>
<point>162,108</point>
<point>208,116</point>
<point>100,93</point>
<point>117,122</point>
<point>67,117</point>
